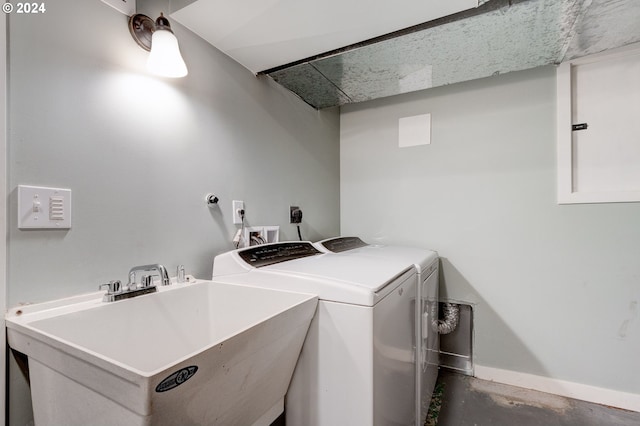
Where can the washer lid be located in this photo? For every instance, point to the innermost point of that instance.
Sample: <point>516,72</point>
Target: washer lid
<point>327,290</point>
<point>292,267</point>
<point>347,270</point>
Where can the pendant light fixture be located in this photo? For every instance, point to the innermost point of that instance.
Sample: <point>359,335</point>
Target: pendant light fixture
<point>164,58</point>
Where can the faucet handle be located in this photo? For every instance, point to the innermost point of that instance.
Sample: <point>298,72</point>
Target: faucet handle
<point>113,287</point>
<point>147,281</point>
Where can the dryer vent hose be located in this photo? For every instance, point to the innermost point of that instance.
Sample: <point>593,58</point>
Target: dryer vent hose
<point>451,313</point>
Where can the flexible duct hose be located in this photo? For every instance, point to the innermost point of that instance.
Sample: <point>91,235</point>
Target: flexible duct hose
<point>451,313</point>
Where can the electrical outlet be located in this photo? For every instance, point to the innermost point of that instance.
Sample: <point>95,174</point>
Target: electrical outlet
<point>237,206</point>
<point>295,214</point>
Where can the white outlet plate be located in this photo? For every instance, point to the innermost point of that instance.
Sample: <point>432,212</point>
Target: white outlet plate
<point>128,7</point>
<point>43,208</point>
<point>237,205</point>
<point>267,234</point>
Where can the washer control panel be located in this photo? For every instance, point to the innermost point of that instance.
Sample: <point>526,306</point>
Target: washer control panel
<point>269,254</point>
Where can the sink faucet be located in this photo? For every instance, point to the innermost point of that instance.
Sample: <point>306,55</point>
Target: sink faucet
<point>157,268</point>
<point>117,292</point>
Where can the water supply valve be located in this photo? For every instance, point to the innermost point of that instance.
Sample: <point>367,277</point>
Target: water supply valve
<point>211,200</point>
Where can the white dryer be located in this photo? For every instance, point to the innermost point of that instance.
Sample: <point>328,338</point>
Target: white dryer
<point>425,263</point>
<point>357,365</point>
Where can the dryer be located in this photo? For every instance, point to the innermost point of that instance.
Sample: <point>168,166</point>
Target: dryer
<point>357,365</point>
<point>425,263</point>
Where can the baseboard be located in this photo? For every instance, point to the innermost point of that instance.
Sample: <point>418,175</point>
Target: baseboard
<point>613,398</point>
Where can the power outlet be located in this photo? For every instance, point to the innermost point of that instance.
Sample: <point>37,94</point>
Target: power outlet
<point>237,206</point>
<point>295,214</point>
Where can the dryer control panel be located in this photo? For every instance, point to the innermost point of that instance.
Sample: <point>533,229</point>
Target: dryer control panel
<point>269,254</point>
<point>341,244</point>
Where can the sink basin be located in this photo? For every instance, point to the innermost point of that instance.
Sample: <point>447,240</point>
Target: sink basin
<point>205,353</point>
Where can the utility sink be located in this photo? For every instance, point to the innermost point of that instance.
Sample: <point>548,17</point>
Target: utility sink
<point>204,353</point>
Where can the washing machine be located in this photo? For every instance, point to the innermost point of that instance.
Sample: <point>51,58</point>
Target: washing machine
<point>425,263</point>
<point>357,365</point>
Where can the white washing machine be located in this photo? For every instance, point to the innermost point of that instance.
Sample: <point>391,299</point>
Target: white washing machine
<point>425,263</point>
<point>357,365</point>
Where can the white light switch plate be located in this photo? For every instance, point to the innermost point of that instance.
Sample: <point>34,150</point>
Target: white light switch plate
<point>43,208</point>
<point>128,7</point>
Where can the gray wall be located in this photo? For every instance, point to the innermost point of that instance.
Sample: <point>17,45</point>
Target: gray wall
<point>555,287</point>
<point>140,153</point>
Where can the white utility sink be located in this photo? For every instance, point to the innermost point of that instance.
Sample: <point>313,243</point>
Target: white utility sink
<point>205,353</point>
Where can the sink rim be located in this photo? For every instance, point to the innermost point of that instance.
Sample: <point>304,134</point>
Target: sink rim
<point>18,320</point>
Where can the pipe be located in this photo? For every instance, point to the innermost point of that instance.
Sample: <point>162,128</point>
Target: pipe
<point>451,313</point>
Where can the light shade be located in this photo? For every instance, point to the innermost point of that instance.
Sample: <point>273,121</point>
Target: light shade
<point>165,58</point>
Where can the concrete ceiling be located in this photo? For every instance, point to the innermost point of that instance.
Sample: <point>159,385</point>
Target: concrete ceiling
<point>497,37</point>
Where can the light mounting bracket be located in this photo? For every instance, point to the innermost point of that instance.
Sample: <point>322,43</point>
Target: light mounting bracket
<point>142,28</point>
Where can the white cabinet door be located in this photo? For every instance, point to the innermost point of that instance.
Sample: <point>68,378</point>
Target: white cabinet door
<point>599,163</point>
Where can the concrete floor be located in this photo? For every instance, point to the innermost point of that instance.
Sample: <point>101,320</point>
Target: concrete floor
<point>467,401</point>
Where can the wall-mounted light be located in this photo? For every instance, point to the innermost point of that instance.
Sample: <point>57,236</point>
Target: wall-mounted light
<point>165,59</point>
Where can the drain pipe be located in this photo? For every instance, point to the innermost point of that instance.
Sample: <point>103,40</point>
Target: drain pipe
<point>451,313</point>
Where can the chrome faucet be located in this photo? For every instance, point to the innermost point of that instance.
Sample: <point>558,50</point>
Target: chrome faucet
<point>147,280</point>
<point>115,290</point>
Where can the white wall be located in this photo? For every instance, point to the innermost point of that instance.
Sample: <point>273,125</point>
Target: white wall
<point>555,288</point>
<point>140,153</point>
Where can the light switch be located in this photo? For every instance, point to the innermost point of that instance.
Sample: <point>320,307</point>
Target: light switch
<point>43,208</point>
